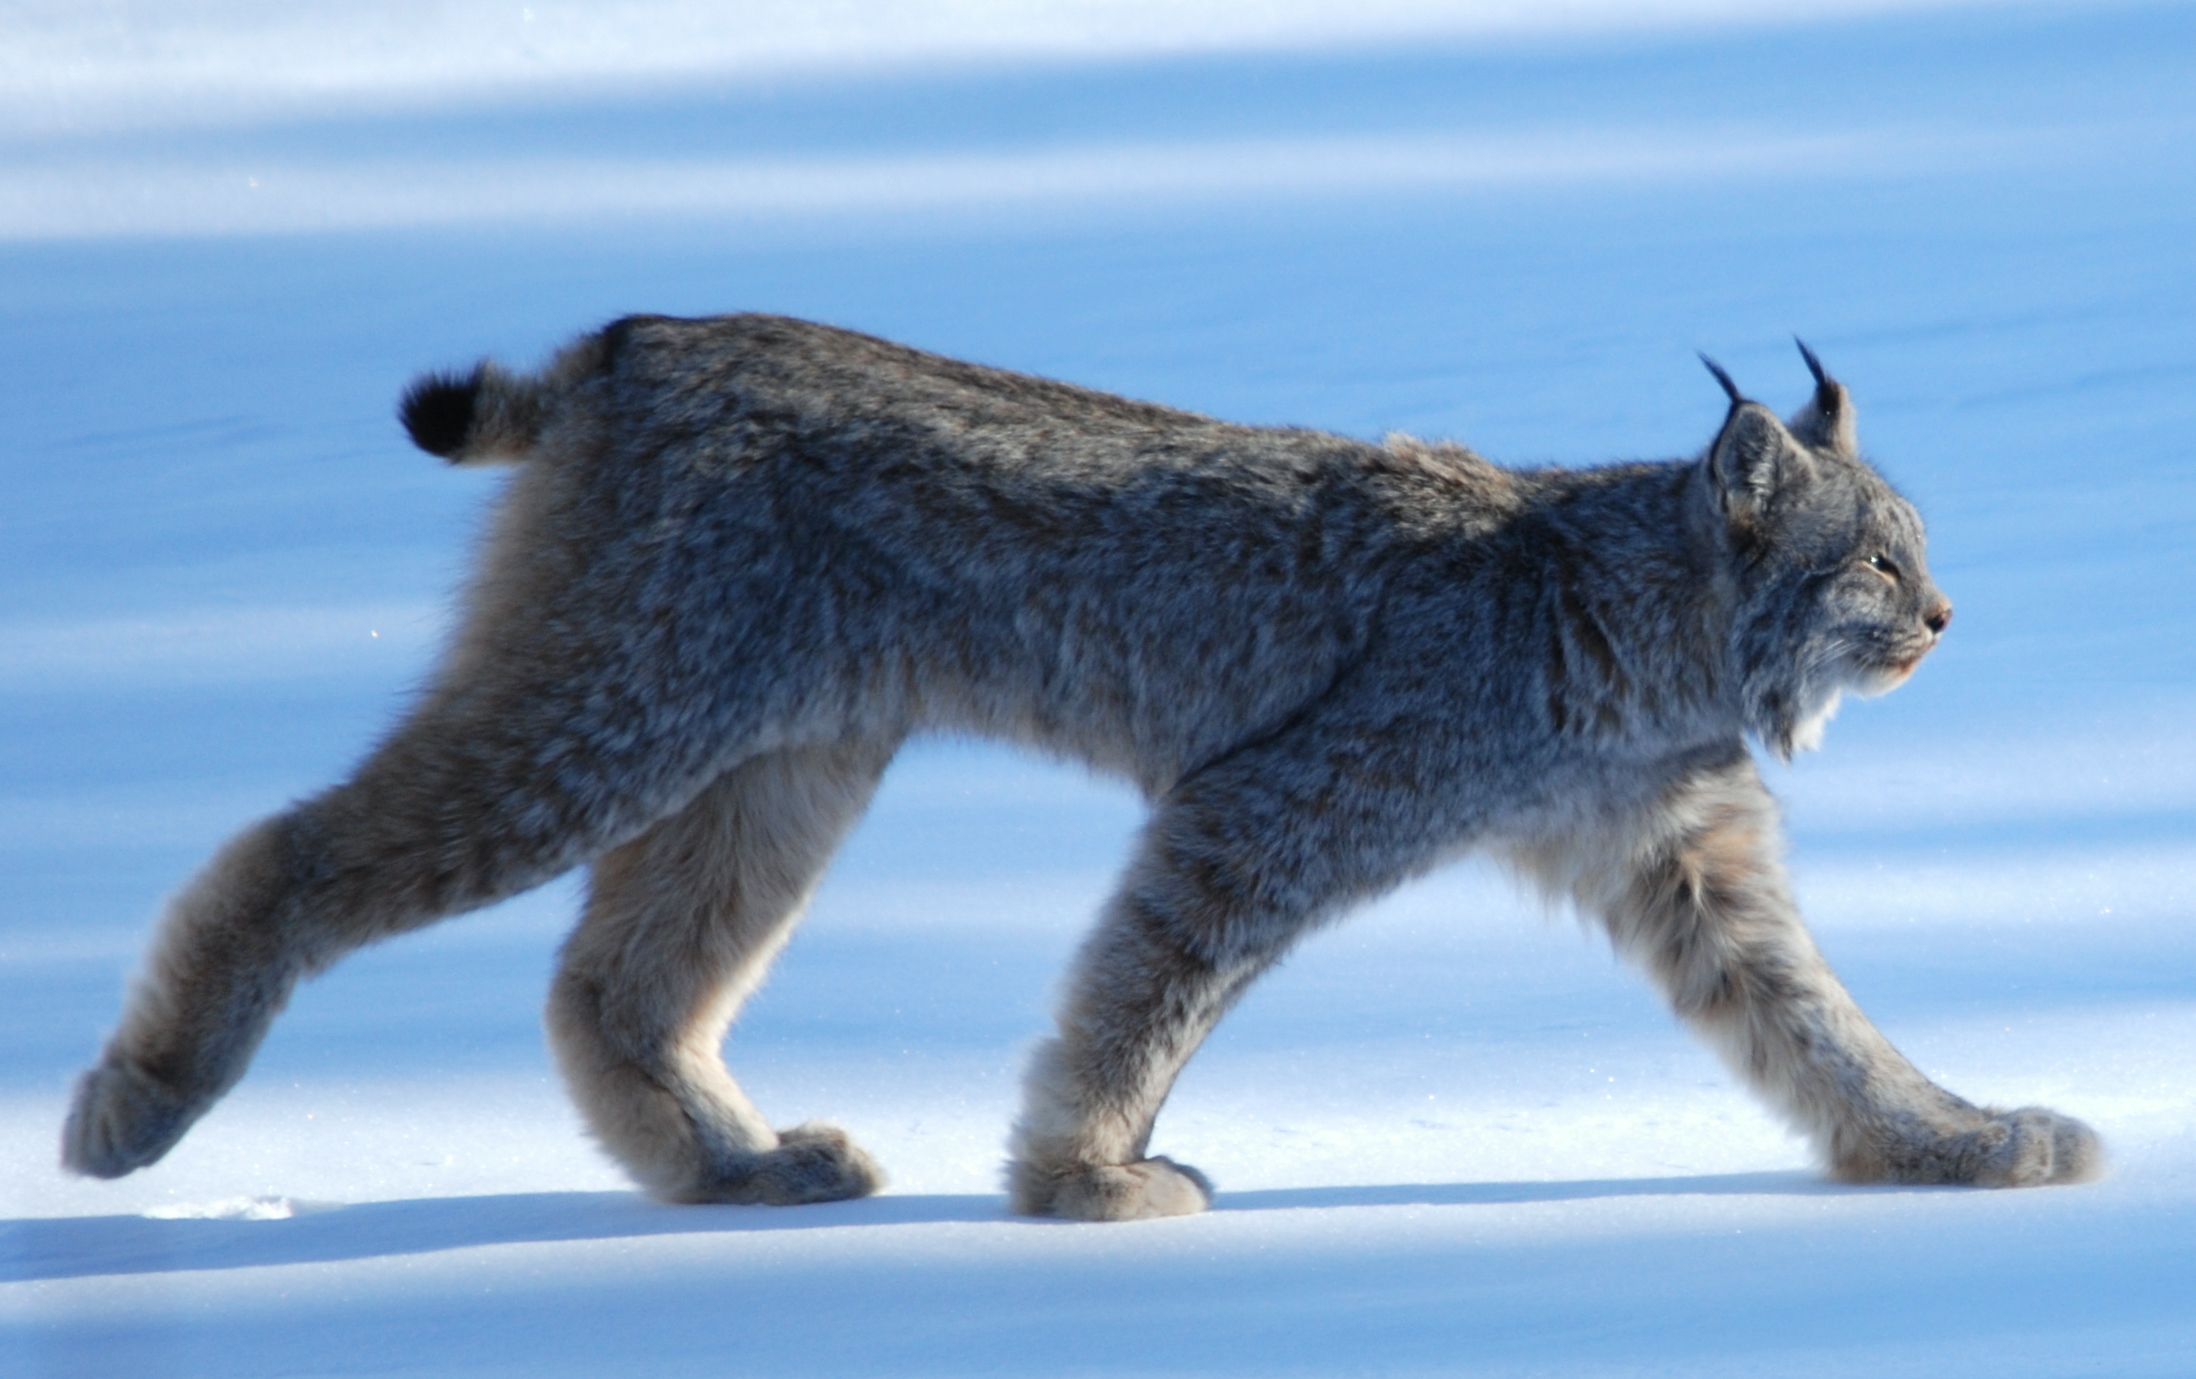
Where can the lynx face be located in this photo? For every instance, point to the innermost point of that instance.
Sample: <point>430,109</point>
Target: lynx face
<point>1833,577</point>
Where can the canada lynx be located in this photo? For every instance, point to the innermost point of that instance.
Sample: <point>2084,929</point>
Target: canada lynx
<point>745,558</point>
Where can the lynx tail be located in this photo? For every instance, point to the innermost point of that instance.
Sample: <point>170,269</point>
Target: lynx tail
<point>482,417</point>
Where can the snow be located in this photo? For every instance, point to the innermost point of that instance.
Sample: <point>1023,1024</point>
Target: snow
<point>1451,1135</point>
<point>134,62</point>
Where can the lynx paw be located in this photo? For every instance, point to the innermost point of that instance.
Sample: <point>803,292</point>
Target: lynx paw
<point>2029,1147</point>
<point>812,1163</point>
<point>2034,1146</point>
<point>122,1119</point>
<point>1112,1192</point>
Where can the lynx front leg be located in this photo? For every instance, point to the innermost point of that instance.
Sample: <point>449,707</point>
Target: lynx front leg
<point>1710,915</point>
<point>680,927</point>
<point>1234,868</point>
<point>1139,1004</point>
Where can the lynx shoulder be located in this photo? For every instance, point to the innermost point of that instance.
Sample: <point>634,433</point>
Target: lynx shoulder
<point>742,560</point>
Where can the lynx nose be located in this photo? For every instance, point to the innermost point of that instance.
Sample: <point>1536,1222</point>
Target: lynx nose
<point>1938,618</point>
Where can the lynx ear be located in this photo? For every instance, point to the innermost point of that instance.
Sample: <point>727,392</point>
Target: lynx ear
<point>1826,422</point>
<point>1753,456</point>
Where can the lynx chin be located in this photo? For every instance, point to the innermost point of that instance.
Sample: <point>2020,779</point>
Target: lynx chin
<point>741,560</point>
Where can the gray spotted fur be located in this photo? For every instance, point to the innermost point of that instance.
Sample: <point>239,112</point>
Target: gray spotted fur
<point>745,558</point>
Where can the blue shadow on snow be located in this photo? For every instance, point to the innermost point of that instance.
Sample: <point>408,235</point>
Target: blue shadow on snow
<point>36,1248</point>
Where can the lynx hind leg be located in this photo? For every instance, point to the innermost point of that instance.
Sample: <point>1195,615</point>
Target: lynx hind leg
<point>427,828</point>
<point>680,927</point>
<point>505,776</point>
<point>1709,914</point>
<point>219,970</point>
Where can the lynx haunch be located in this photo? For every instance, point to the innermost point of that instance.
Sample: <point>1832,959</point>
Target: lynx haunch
<point>743,559</point>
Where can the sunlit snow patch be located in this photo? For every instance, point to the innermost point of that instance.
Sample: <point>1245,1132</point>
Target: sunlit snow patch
<point>239,1209</point>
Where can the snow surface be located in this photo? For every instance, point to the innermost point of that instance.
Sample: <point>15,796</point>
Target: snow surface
<point>1451,1136</point>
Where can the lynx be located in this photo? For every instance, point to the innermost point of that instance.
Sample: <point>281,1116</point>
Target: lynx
<point>743,559</point>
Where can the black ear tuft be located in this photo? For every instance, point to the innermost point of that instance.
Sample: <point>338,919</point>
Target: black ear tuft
<point>437,411</point>
<point>1730,389</point>
<point>1814,365</point>
<point>1826,422</point>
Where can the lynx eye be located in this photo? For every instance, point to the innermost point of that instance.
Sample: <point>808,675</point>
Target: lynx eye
<point>1883,565</point>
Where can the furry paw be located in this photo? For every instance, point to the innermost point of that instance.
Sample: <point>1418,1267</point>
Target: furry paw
<point>1112,1192</point>
<point>812,1163</point>
<point>2029,1147</point>
<point>121,1120</point>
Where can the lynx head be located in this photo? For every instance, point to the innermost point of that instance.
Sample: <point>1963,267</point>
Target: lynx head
<point>1833,590</point>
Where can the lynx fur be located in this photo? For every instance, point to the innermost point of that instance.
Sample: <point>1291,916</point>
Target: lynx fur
<point>743,559</point>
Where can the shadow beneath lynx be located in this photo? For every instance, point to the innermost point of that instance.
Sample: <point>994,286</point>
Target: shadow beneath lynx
<point>115,1246</point>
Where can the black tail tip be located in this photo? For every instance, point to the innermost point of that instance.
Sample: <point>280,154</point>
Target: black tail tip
<point>437,411</point>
